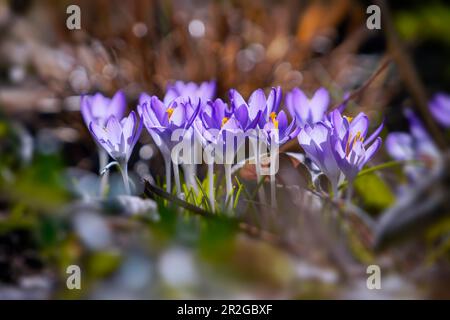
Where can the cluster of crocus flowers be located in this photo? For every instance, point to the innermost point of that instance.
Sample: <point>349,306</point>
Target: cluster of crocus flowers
<point>340,146</point>
<point>417,147</point>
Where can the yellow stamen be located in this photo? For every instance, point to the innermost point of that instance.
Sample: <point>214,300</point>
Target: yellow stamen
<point>273,117</point>
<point>170,112</point>
<point>349,119</point>
<point>358,136</point>
<point>351,141</point>
<point>224,120</point>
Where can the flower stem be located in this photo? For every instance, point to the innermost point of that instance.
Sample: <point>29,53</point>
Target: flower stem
<point>349,192</point>
<point>124,171</point>
<point>193,172</point>
<point>229,186</point>
<point>168,165</point>
<point>335,191</point>
<point>176,174</point>
<point>211,195</point>
<point>103,161</point>
<point>261,192</point>
<point>189,174</point>
<point>273,191</point>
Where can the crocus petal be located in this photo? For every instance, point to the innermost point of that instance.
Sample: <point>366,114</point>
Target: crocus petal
<point>370,152</point>
<point>290,103</point>
<point>241,114</point>
<point>416,126</point>
<point>128,127</point>
<point>319,104</point>
<point>303,137</point>
<point>255,121</point>
<point>99,106</point>
<point>100,134</point>
<point>399,145</point>
<point>440,109</point>
<point>236,98</point>
<point>273,100</point>
<point>158,111</point>
<point>320,133</point>
<point>298,105</point>
<point>178,116</point>
<point>85,108</point>
<point>117,105</point>
<point>98,131</point>
<point>144,97</point>
<point>114,130</point>
<point>295,132</point>
<point>170,95</point>
<point>231,124</point>
<point>192,113</point>
<point>256,102</point>
<point>282,121</point>
<point>207,90</point>
<point>359,125</point>
<point>339,124</point>
<point>136,136</point>
<point>375,134</point>
<point>310,149</point>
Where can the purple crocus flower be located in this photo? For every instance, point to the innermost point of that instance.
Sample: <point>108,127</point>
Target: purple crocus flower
<point>166,123</point>
<point>118,137</point>
<point>440,108</point>
<point>258,105</point>
<point>339,144</point>
<point>278,130</point>
<point>352,150</point>
<point>305,110</point>
<point>98,108</point>
<point>416,145</point>
<point>162,120</point>
<point>216,120</point>
<point>317,142</point>
<point>189,90</point>
<point>222,131</point>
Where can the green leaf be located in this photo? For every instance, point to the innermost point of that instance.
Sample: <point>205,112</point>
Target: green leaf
<point>374,192</point>
<point>102,264</point>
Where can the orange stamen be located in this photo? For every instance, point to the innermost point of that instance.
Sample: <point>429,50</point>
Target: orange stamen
<point>169,112</point>
<point>273,117</point>
<point>351,141</point>
<point>224,120</point>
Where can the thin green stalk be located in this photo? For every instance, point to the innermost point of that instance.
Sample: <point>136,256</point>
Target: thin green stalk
<point>273,191</point>
<point>382,166</point>
<point>229,184</point>
<point>349,192</point>
<point>168,166</point>
<point>335,190</point>
<point>176,175</point>
<point>103,162</point>
<point>189,174</point>
<point>211,186</point>
<point>261,191</point>
<point>124,171</point>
